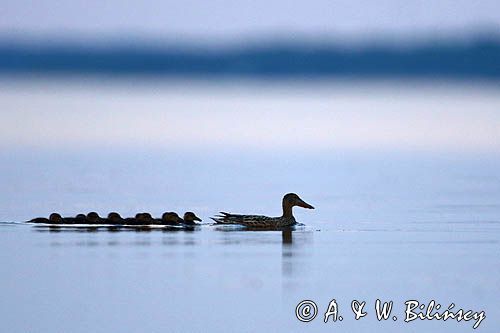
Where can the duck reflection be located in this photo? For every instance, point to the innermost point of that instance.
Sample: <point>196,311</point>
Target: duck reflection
<point>295,241</point>
<point>295,257</point>
<point>286,232</point>
<point>287,237</point>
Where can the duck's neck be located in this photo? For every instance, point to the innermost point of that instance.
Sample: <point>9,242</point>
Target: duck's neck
<point>287,210</point>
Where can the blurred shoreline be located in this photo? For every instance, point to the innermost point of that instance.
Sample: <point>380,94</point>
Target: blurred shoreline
<point>473,58</point>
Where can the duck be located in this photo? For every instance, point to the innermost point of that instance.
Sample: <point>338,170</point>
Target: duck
<point>258,221</point>
<point>189,218</point>
<point>54,218</point>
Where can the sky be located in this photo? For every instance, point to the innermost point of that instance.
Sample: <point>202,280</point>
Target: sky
<point>223,20</point>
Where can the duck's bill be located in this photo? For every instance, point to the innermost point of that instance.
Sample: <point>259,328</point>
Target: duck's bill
<point>304,204</point>
<point>196,218</point>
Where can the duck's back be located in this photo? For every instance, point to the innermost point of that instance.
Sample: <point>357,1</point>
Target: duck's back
<point>254,221</point>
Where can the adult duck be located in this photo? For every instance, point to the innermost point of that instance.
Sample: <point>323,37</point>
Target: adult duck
<point>258,221</point>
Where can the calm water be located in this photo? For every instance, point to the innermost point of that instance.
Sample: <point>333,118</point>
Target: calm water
<point>393,224</point>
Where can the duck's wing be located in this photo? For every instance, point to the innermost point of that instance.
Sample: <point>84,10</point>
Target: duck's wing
<point>256,221</point>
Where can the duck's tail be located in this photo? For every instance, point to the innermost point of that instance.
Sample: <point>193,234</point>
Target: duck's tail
<point>227,218</point>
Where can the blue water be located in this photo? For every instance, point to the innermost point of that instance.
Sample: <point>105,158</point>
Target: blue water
<point>404,177</point>
<point>394,227</point>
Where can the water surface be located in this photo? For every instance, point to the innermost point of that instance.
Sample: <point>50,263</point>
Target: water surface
<point>394,220</point>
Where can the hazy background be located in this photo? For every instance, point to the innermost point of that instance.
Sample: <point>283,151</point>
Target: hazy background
<point>313,75</point>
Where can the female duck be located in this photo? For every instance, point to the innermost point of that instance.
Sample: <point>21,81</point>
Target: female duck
<point>258,221</point>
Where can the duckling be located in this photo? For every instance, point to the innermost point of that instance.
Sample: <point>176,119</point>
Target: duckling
<point>144,218</point>
<point>114,218</point>
<point>190,217</point>
<point>129,221</point>
<point>148,219</point>
<point>54,218</point>
<point>68,220</point>
<point>80,219</point>
<point>39,220</point>
<point>93,218</point>
<point>170,218</point>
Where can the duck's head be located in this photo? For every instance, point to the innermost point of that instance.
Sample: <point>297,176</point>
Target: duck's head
<point>93,217</point>
<point>55,218</point>
<point>292,199</point>
<point>114,217</point>
<point>171,217</point>
<point>190,217</point>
